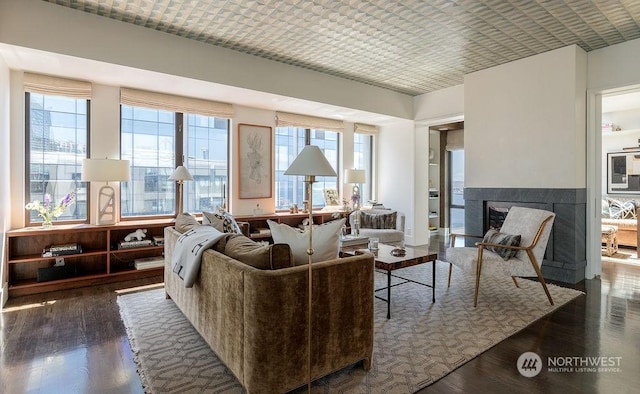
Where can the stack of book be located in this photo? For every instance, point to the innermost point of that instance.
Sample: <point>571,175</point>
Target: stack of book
<point>149,262</point>
<point>158,240</point>
<point>351,240</point>
<point>134,244</point>
<point>62,250</point>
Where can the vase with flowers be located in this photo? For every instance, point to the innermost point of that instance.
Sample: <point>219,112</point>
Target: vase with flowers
<point>47,210</point>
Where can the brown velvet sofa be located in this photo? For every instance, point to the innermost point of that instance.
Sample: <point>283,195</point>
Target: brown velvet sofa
<point>256,320</point>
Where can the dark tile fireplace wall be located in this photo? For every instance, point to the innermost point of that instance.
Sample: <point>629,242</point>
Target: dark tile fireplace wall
<point>565,259</point>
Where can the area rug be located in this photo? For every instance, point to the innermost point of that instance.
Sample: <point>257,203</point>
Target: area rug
<point>421,343</point>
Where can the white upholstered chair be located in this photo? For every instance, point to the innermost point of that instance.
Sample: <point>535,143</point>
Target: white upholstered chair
<point>385,224</point>
<point>534,227</point>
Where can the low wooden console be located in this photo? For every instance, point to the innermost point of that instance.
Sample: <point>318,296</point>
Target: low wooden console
<point>100,261</point>
<point>259,229</point>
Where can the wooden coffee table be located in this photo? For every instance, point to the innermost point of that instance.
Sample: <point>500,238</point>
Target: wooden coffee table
<point>387,262</point>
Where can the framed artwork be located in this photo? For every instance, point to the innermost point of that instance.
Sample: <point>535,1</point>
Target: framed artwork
<point>254,161</point>
<point>331,197</point>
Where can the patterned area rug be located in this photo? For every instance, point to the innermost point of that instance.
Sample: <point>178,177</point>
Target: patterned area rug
<point>421,343</point>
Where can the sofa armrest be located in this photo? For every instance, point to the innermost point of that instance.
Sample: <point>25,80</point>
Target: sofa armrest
<point>275,327</point>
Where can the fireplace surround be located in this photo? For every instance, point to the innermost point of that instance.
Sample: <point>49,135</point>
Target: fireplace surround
<point>565,258</point>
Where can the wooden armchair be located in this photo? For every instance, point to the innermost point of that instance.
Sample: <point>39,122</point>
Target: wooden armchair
<point>534,227</point>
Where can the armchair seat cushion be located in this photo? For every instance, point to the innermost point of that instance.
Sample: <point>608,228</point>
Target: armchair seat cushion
<point>385,236</point>
<point>493,264</point>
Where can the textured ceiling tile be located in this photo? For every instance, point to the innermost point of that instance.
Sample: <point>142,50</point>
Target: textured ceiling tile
<point>409,46</point>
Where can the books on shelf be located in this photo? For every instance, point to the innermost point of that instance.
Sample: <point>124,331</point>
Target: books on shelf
<point>158,240</point>
<point>62,250</point>
<point>148,262</point>
<point>351,240</point>
<point>134,244</point>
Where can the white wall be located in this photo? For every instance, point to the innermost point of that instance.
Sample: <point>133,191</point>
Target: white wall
<point>614,66</point>
<point>249,116</point>
<point>396,173</point>
<point>5,208</point>
<point>439,106</point>
<point>525,122</point>
<point>63,30</point>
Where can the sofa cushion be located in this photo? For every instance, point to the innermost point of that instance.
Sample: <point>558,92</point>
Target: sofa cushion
<point>378,218</point>
<point>185,222</point>
<point>221,221</point>
<point>326,243</point>
<point>494,237</point>
<point>262,256</point>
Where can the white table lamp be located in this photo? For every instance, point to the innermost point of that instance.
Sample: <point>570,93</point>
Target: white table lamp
<point>106,170</point>
<point>356,177</point>
<point>180,174</point>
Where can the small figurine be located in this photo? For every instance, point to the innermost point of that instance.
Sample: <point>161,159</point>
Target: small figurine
<point>139,234</point>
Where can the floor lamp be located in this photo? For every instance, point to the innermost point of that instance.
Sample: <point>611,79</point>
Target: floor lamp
<point>180,174</point>
<point>106,170</point>
<point>310,163</point>
<point>357,177</point>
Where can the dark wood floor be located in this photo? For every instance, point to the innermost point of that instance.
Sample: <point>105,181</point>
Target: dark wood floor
<point>75,342</point>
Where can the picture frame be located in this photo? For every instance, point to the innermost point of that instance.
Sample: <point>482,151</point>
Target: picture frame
<point>623,172</point>
<point>254,161</point>
<point>331,197</point>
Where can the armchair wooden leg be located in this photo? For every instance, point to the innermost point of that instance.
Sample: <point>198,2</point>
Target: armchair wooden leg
<point>449,280</point>
<point>539,273</point>
<point>478,271</point>
<point>515,281</point>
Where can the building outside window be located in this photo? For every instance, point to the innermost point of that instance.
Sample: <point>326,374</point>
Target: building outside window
<point>153,141</point>
<point>289,142</point>
<point>57,129</point>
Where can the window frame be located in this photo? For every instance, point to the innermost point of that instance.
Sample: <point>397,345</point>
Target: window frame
<point>307,141</point>
<point>27,161</point>
<point>179,159</point>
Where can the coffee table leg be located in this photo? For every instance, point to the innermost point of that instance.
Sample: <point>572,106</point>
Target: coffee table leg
<point>433,281</point>
<point>389,294</point>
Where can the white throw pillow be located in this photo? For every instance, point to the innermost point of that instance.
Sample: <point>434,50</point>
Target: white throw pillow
<point>326,243</point>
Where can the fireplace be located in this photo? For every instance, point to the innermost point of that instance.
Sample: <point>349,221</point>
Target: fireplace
<point>565,257</point>
<point>496,212</point>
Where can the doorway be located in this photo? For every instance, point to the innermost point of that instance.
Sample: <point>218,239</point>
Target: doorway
<point>446,178</point>
<point>620,176</point>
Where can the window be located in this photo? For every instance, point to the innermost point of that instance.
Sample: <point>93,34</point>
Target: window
<point>57,133</point>
<point>363,159</point>
<point>153,141</point>
<point>289,142</point>
<point>206,143</point>
<point>148,141</point>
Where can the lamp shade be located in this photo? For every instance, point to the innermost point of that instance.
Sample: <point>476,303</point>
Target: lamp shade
<point>105,170</point>
<point>310,161</point>
<point>354,176</point>
<point>181,174</point>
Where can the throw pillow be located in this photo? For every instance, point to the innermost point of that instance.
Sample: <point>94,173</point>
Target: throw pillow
<point>494,237</point>
<point>258,255</point>
<point>326,243</point>
<point>221,221</point>
<point>378,219</point>
<point>185,222</point>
